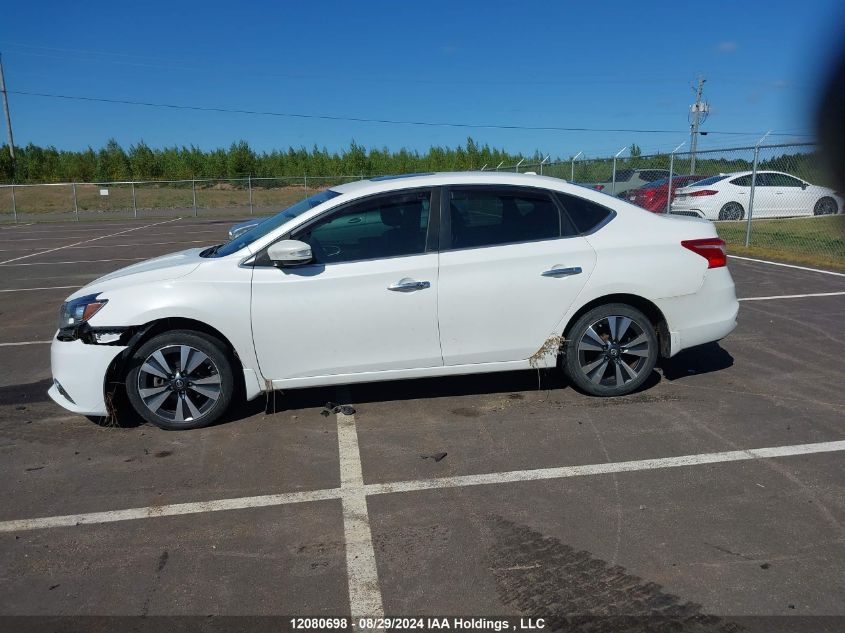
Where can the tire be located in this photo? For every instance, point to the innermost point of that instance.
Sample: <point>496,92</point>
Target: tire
<point>162,394</point>
<point>596,356</point>
<point>826,206</point>
<point>732,211</point>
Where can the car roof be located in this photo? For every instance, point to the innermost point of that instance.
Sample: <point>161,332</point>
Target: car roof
<point>403,181</point>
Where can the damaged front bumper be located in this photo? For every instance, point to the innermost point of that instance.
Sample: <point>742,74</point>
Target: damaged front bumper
<point>80,358</point>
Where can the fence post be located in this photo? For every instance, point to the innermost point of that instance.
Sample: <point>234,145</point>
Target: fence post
<point>613,182</point>
<point>543,161</point>
<point>134,202</point>
<point>572,167</point>
<point>75,203</point>
<point>671,173</point>
<point>516,169</point>
<point>249,185</point>
<point>751,195</point>
<point>194,191</point>
<point>305,183</point>
<point>14,205</point>
<point>753,186</point>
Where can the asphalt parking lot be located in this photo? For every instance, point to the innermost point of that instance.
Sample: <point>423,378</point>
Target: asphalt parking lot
<point>717,490</point>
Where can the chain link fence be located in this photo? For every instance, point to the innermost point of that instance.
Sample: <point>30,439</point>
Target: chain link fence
<point>159,198</point>
<point>771,201</point>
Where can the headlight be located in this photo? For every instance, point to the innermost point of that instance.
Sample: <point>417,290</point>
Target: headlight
<point>79,310</point>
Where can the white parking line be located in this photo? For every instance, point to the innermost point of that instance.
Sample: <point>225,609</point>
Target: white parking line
<point>24,343</point>
<point>150,512</point>
<point>133,245</point>
<point>539,474</point>
<point>765,261</point>
<point>604,469</point>
<point>814,294</point>
<point>67,237</point>
<point>93,239</point>
<point>45,288</point>
<point>80,261</point>
<point>364,591</point>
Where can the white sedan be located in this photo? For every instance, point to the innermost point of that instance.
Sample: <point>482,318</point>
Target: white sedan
<point>400,277</point>
<point>728,197</point>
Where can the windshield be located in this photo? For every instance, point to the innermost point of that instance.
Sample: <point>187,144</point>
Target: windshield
<point>274,222</point>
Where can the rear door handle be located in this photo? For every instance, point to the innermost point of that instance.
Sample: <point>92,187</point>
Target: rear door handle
<point>560,271</point>
<point>409,285</point>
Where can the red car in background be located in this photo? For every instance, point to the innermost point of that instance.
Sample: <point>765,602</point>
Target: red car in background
<point>653,195</point>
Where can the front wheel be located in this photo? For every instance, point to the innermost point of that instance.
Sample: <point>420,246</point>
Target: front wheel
<point>610,350</point>
<point>825,206</point>
<point>180,380</point>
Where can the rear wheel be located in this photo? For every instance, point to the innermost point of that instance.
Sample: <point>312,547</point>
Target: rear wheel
<point>180,380</point>
<point>825,206</point>
<point>611,350</point>
<point>732,211</point>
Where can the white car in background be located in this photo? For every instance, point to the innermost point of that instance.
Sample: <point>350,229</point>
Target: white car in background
<point>776,195</point>
<point>399,277</point>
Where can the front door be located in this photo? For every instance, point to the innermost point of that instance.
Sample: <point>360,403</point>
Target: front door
<point>368,301</point>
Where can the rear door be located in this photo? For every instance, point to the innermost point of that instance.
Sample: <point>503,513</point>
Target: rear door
<point>511,264</point>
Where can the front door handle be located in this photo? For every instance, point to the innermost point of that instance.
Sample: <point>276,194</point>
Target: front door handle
<point>409,285</point>
<point>560,271</point>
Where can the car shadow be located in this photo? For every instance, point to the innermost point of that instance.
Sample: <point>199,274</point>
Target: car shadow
<point>700,360</point>
<point>12,395</point>
<point>703,359</point>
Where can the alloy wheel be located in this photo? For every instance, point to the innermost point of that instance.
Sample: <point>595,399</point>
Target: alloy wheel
<point>613,351</point>
<point>179,383</point>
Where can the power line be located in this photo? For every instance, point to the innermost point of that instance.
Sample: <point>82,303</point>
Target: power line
<point>326,117</point>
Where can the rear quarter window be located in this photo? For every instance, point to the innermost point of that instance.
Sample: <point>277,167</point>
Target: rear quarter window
<point>587,216</point>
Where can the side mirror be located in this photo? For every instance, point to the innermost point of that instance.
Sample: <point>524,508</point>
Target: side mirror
<point>804,185</point>
<point>289,253</point>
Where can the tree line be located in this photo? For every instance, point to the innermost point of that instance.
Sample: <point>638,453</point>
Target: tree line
<point>112,162</point>
<point>34,164</point>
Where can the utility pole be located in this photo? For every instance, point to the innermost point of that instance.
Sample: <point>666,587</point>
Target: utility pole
<point>6,111</point>
<point>699,113</point>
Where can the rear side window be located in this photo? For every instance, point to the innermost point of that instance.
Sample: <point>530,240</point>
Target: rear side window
<point>742,181</point>
<point>624,175</point>
<point>587,215</point>
<point>491,216</point>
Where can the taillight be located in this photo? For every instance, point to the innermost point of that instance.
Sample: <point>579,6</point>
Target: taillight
<point>598,187</point>
<point>703,192</point>
<point>712,249</point>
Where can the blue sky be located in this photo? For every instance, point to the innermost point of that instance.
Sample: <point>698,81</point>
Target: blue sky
<point>565,64</point>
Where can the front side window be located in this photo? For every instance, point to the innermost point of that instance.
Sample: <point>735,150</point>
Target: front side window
<point>492,216</point>
<point>385,226</point>
<point>274,222</point>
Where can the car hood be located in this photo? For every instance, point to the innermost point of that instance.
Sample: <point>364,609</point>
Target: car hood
<point>162,268</point>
